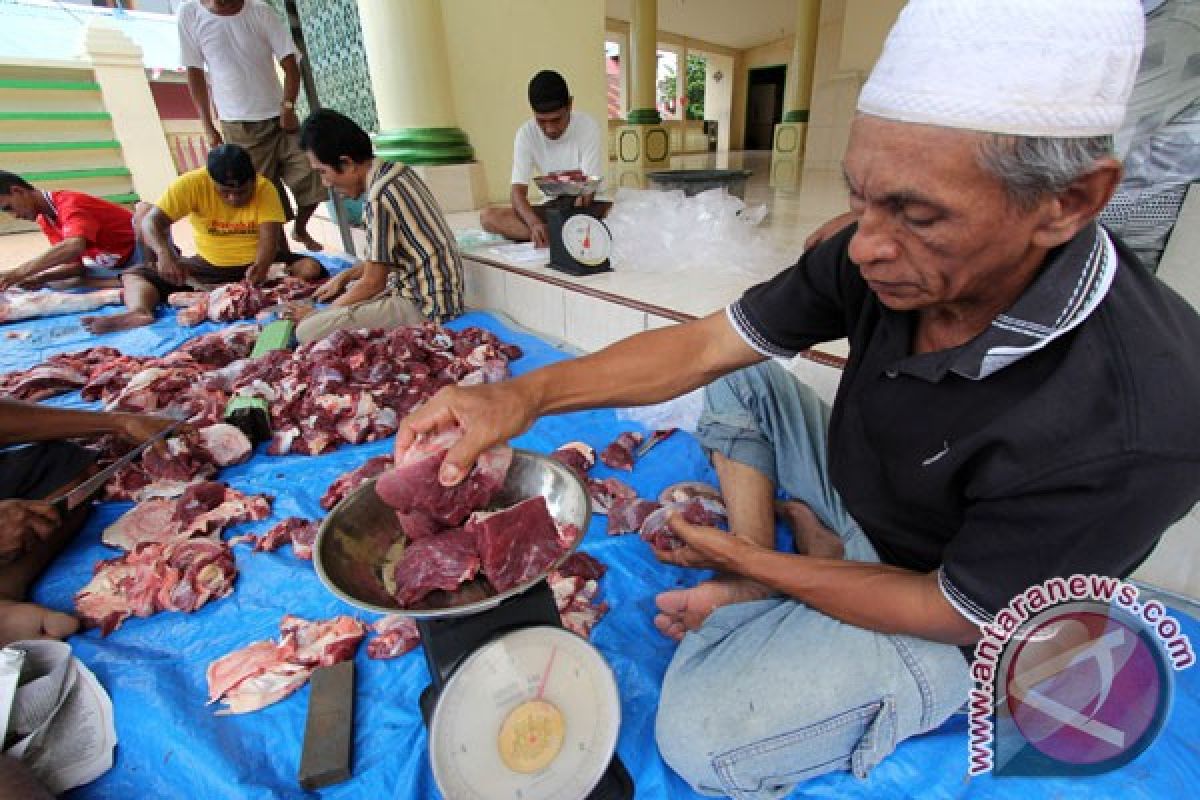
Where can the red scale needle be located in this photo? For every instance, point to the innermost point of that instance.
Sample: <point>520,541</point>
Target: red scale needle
<point>546,673</point>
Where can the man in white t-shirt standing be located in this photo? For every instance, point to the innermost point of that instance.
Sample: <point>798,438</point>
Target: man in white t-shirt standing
<point>557,139</point>
<point>239,42</point>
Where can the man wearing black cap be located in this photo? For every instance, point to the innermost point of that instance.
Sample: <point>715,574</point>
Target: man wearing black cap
<point>557,139</point>
<point>236,217</point>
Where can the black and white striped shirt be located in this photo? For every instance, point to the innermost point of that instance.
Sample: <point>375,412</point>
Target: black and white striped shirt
<point>407,231</point>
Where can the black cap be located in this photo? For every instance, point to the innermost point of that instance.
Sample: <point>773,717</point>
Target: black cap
<point>230,165</point>
<point>548,92</point>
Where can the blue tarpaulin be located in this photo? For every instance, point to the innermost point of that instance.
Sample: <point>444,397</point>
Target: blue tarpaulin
<point>172,745</point>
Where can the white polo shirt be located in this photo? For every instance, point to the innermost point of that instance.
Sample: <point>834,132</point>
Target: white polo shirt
<point>580,147</point>
<point>240,52</point>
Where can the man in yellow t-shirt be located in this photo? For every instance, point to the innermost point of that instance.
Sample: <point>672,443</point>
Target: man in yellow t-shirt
<point>236,217</point>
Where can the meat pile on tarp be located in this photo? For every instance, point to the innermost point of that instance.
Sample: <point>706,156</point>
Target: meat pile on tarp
<point>241,300</point>
<point>174,560</point>
<point>350,387</point>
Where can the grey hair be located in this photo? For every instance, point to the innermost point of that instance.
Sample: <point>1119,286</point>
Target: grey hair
<point>1032,167</point>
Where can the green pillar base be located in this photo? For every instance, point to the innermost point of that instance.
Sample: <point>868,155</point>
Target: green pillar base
<point>424,146</point>
<point>644,116</point>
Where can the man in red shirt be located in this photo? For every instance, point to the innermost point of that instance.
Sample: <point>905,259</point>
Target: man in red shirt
<point>90,238</point>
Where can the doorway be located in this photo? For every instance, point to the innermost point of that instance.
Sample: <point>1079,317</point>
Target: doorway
<point>764,105</point>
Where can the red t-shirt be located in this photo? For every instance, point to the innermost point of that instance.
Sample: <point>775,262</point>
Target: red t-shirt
<point>106,227</point>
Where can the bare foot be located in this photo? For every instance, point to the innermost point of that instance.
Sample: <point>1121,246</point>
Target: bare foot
<point>685,610</point>
<point>308,241</point>
<point>811,535</point>
<point>30,621</point>
<point>117,322</point>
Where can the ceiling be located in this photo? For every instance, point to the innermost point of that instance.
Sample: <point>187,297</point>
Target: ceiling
<point>739,25</point>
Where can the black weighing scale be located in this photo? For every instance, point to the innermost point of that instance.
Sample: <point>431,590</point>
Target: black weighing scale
<point>580,242</point>
<point>517,706</point>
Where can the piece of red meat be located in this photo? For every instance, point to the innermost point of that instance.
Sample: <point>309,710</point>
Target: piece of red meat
<point>583,565</point>
<point>413,485</point>
<point>579,456</point>
<point>605,492</point>
<point>350,481</point>
<point>300,532</point>
<point>443,561</point>
<point>619,454</point>
<point>322,644</point>
<point>626,515</point>
<point>397,635</point>
<point>516,544</point>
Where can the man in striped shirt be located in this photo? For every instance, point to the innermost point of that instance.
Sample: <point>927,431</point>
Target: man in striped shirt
<point>412,271</point>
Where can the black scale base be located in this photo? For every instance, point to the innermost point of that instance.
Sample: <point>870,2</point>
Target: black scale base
<point>448,641</point>
<point>557,214</point>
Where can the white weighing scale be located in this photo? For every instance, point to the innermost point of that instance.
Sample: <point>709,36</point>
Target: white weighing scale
<point>580,242</point>
<point>517,706</point>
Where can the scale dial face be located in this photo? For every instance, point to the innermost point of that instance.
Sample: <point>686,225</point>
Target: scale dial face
<point>586,239</point>
<point>532,715</point>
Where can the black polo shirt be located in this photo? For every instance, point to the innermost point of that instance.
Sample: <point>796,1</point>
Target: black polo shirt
<point>1063,439</point>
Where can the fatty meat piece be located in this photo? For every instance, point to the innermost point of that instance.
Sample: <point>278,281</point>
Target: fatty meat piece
<point>397,635</point>
<point>300,532</point>
<point>579,456</point>
<point>16,304</point>
<point>264,672</point>
<point>176,576</point>
<point>350,481</point>
<point>322,643</point>
<point>204,509</point>
<point>604,493</point>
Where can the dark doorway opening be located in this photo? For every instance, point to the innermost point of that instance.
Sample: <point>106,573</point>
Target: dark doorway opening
<point>764,105</point>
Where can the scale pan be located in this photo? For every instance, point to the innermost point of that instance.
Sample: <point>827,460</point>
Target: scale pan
<point>552,186</point>
<point>361,534</point>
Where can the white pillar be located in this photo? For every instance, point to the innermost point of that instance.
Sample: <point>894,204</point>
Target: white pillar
<point>117,64</point>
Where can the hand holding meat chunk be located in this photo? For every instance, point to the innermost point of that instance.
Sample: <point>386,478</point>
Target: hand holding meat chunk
<point>412,486</point>
<point>487,414</point>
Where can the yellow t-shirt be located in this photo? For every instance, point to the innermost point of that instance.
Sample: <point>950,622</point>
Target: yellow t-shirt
<point>225,236</point>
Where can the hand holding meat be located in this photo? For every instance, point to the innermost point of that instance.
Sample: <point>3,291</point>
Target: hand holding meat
<point>490,414</point>
<point>704,547</point>
<point>21,522</point>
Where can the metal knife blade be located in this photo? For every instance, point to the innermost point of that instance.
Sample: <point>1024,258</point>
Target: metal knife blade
<point>652,440</point>
<point>71,498</point>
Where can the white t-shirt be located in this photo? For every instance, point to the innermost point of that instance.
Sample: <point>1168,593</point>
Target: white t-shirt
<point>240,52</point>
<point>578,148</point>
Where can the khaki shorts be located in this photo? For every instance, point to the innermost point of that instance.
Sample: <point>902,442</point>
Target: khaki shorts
<point>276,155</point>
<point>388,310</point>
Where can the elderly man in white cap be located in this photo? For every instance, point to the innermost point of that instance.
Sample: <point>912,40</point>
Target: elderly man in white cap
<point>1019,403</point>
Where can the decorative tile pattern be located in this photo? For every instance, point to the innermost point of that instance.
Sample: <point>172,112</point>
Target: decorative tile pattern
<point>334,40</point>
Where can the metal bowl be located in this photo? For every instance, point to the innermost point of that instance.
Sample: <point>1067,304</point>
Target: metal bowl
<point>362,533</point>
<point>555,187</point>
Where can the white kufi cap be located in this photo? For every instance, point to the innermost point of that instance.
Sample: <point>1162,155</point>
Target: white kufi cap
<point>1026,67</point>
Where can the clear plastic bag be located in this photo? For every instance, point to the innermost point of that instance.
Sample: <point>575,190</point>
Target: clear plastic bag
<point>666,231</point>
